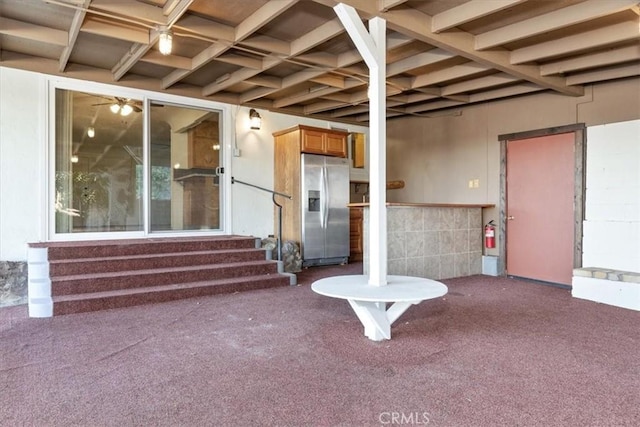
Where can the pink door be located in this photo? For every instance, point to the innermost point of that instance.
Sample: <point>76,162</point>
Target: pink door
<point>540,212</point>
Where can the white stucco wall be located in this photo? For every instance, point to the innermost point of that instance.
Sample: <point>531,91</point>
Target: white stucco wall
<point>24,164</point>
<point>253,210</point>
<point>612,217</point>
<point>23,167</point>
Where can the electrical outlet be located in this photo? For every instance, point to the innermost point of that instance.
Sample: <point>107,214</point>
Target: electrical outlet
<point>470,183</point>
<point>476,183</point>
<point>236,152</point>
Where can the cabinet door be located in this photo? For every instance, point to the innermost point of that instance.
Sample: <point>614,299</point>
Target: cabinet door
<point>355,234</point>
<point>312,141</point>
<point>336,145</point>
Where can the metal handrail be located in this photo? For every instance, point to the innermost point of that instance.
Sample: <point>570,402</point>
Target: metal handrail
<point>279,206</point>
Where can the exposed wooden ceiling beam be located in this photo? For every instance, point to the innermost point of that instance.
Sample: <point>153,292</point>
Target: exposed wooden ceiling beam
<point>349,111</point>
<point>504,92</point>
<point>300,45</point>
<point>257,19</point>
<point>323,59</point>
<point>265,81</point>
<point>312,94</point>
<point>452,73</point>
<point>238,76</point>
<point>429,106</point>
<point>174,9</point>
<point>241,60</point>
<point>323,106</point>
<point>102,27</point>
<point>594,60</point>
<point>267,44</point>
<point>265,14</point>
<point>74,30</point>
<point>416,61</point>
<point>138,50</point>
<point>134,54</point>
<point>631,70</point>
<point>561,18</point>
<point>171,61</point>
<point>479,84</point>
<point>319,35</point>
<point>330,80</point>
<point>601,37</point>
<point>385,5</point>
<point>469,11</point>
<point>142,11</point>
<point>25,30</point>
<point>416,24</point>
<point>200,60</point>
<point>412,98</point>
<point>205,28</point>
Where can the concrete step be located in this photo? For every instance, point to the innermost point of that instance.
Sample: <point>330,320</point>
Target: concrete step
<point>103,300</point>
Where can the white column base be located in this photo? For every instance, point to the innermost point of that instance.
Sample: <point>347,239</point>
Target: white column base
<point>39,283</point>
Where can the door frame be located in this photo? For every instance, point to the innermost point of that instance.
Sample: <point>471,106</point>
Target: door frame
<point>580,135</point>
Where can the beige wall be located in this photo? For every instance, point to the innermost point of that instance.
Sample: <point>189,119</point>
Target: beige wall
<point>436,157</point>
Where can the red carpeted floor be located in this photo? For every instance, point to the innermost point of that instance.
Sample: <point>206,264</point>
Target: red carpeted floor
<point>493,352</point>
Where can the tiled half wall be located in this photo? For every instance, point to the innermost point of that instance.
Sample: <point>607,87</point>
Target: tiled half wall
<point>431,242</point>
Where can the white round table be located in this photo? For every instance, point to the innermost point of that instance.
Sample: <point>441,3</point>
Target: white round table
<point>369,301</point>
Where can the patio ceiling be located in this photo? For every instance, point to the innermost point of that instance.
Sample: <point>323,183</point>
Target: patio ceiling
<point>294,56</point>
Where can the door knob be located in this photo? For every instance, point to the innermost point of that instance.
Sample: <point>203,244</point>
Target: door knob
<point>511,217</point>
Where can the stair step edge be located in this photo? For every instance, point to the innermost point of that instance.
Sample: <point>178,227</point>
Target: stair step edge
<point>125,273</point>
<point>155,255</point>
<point>176,286</point>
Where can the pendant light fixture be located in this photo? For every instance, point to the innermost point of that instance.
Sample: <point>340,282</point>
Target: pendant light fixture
<point>165,41</point>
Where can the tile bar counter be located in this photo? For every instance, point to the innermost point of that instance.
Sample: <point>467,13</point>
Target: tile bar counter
<point>431,240</point>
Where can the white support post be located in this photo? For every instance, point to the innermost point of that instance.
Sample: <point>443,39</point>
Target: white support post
<point>372,47</point>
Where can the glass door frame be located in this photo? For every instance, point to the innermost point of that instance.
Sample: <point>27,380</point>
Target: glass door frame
<point>227,134</point>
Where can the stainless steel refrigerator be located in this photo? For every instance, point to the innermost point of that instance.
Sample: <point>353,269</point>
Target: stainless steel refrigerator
<point>325,215</point>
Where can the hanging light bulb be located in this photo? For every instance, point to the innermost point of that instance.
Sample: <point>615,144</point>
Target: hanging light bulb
<point>126,109</point>
<point>115,108</point>
<point>165,41</point>
<point>91,132</point>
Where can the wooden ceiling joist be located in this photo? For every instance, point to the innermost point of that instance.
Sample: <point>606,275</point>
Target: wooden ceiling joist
<point>561,18</point>
<point>469,11</point>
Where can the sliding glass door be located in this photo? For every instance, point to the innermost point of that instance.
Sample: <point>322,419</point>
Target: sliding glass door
<point>185,164</point>
<point>113,176</point>
<point>98,152</point>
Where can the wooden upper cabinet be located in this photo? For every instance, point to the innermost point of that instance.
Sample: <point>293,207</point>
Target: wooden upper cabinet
<point>323,141</point>
<point>313,141</point>
<point>336,144</point>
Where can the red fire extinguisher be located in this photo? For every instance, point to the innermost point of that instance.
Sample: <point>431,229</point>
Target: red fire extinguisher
<point>490,235</point>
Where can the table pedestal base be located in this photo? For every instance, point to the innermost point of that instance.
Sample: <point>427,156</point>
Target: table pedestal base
<point>369,302</point>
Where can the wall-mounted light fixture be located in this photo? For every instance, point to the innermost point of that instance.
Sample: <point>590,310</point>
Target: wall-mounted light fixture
<point>165,41</point>
<point>74,159</point>
<point>91,132</point>
<point>255,119</point>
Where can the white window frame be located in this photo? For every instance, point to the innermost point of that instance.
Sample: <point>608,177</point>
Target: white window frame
<point>227,134</point>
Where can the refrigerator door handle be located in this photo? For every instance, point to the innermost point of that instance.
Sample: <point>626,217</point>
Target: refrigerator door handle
<point>324,197</point>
